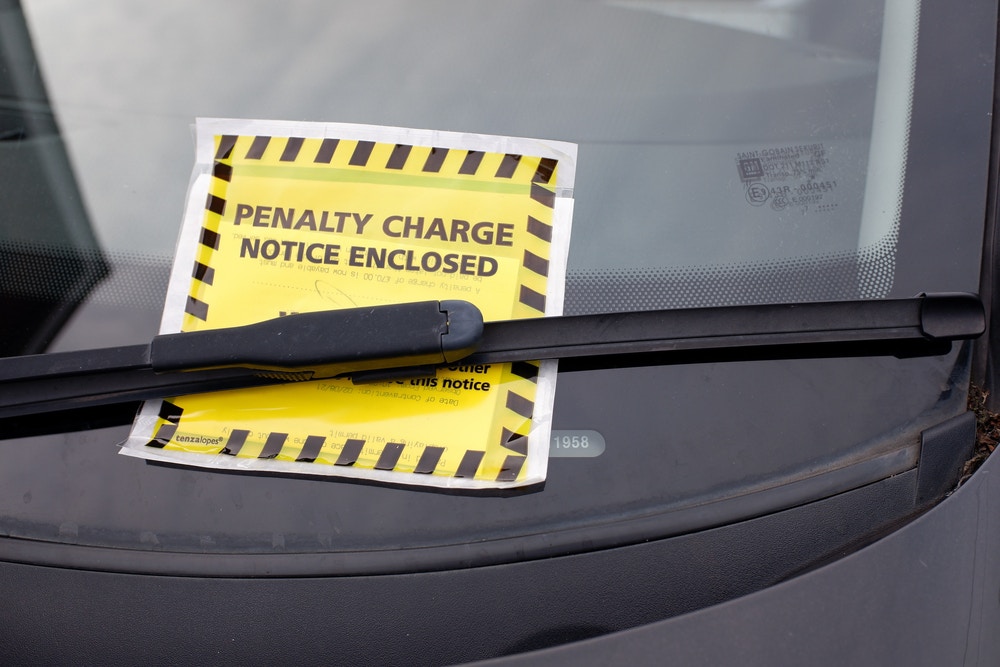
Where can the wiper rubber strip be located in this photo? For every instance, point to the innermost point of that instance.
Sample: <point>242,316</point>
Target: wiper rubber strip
<point>410,340</point>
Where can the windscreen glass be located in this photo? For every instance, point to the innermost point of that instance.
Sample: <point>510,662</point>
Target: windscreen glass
<point>730,152</point>
<point>736,151</point>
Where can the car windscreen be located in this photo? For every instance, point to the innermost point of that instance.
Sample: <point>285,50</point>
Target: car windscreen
<point>730,152</point>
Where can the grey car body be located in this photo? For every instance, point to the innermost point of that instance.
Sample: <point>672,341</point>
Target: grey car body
<point>782,511</point>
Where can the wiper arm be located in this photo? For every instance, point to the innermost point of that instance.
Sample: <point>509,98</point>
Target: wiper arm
<point>408,340</point>
<point>297,347</point>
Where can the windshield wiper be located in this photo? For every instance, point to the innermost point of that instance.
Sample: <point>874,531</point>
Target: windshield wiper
<point>409,340</point>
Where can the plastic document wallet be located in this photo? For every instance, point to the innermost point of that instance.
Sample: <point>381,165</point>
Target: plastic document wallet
<point>287,217</point>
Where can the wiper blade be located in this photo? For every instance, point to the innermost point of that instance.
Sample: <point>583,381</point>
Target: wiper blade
<point>408,340</point>
<point>923,325</point>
